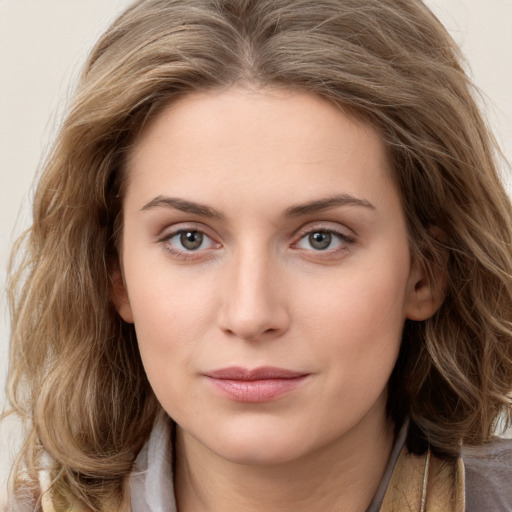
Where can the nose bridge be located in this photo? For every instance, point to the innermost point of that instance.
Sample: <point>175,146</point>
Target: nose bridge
<point>252,304</point>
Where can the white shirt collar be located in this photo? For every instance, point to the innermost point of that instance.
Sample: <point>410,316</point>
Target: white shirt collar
<point>151,481</point>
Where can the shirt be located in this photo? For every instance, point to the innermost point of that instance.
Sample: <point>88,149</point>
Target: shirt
<point>488,474</point>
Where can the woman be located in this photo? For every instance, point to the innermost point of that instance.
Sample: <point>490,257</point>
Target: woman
<point>269,269</point>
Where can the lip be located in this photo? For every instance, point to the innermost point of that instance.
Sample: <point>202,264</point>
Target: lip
<point>262,384</point>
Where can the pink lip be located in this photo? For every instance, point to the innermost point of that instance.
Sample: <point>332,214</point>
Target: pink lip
<point>261,384</point>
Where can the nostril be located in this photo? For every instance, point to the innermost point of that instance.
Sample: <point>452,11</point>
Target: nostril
<point>254,328</point>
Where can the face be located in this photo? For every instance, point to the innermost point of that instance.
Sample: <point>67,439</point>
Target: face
<point>266,268</point>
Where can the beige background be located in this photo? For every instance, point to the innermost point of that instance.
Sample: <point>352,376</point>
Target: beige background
<point>44,42</point>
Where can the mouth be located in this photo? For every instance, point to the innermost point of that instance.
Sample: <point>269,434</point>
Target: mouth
<point>262,384</point>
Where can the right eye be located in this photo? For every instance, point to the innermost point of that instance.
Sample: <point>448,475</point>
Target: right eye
<point>189,240</point>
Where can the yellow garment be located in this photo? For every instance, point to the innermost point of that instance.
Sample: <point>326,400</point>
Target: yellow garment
<point>418,484</point>
<point>425,484</point>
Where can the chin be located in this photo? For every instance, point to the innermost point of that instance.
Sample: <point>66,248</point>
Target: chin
<point>259,456</point>
<point>261,449</point>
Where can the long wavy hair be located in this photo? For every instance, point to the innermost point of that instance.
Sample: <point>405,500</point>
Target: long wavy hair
<point>76,377</point>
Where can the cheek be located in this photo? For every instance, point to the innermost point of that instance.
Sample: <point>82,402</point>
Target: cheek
<point>168,327</point>
<point>357,302</point>
<point>171,312</point>
<point>170,324</point>
<point>358,321</point>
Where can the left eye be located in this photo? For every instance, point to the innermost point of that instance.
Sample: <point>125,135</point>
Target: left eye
<point>190,240</point>
<point>321,240</point>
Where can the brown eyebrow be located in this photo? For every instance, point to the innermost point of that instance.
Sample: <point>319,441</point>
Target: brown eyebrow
<point>293,211</point>
<point>184,206</point>
<point>325,204</point>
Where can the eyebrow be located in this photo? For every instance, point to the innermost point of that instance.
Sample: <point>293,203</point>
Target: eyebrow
<point>184,206</point>
<point>293,211</point>
<point>325,204</point>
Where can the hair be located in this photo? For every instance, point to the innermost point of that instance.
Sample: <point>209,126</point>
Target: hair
<point>76,376</point>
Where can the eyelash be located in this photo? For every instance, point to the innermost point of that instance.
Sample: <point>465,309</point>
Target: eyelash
<point>184,254</point>
<point>344,239</point>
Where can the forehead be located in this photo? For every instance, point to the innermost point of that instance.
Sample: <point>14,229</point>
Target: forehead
<point>252,139</point>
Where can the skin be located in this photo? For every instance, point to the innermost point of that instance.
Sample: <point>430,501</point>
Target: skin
<point>261,289</point>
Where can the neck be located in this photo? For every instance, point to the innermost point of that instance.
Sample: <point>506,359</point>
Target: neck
<point>344,475</point>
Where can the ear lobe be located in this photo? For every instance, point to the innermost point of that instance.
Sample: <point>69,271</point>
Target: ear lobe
<point>119,295</point>
<point>426,291</point>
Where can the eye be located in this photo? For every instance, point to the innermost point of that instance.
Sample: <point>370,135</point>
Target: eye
<point>187,243</point>
<point>190,240</point>
<point>320,240</point>
<point>326,240</point>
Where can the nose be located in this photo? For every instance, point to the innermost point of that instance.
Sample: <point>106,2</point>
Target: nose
<point>254,305</point>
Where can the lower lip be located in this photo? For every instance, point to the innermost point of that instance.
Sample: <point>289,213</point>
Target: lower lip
<point>256,391</point>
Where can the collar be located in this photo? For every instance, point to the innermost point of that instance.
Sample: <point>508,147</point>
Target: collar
<point>151,481</point>
<point>410,482</point>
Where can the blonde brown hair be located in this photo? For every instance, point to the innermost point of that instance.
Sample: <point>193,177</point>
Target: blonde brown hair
<point>75,372</point>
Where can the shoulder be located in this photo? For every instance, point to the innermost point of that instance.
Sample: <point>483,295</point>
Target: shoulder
<point>488,470</point>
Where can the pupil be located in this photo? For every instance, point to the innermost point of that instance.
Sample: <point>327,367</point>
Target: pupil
<point>320,240</point>
<point>191,240</point>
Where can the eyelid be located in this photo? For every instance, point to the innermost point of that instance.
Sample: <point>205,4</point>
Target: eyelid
<point>346,238</point>
<point>328,227</point>
<point>170,232</point>
<point>173,229</point>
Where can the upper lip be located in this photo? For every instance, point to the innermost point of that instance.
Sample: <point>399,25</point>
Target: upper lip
<point>260,373</point>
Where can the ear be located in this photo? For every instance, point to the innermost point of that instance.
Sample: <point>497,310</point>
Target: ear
<point>119,295</point>
<point>426,290</point>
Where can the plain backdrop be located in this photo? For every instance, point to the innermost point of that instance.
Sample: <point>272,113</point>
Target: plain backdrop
<point>43,44</point>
